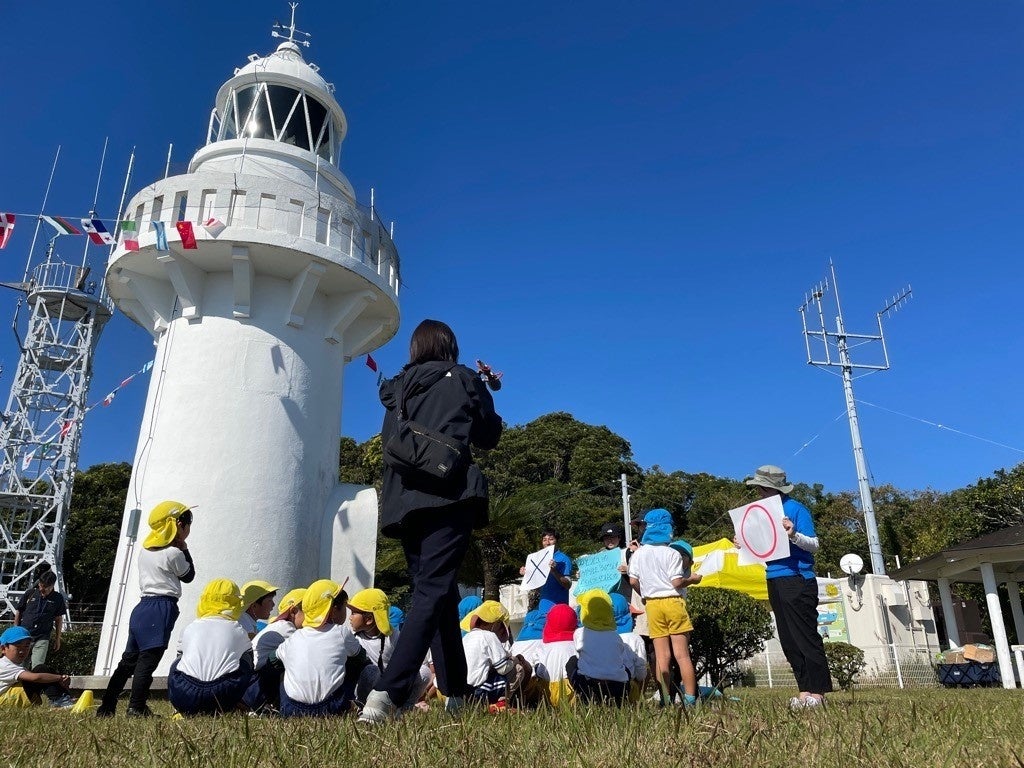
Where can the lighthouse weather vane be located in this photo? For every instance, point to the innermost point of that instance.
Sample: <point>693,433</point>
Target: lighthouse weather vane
<point>292,31</point>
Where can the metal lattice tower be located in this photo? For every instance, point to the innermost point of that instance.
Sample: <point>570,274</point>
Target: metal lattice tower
<point>42,425</point>
<point>842,342</point>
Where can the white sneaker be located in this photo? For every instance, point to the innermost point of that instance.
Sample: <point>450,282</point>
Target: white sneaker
<point>813,702</point>
<point>797,703</point>
<point>378,709</point>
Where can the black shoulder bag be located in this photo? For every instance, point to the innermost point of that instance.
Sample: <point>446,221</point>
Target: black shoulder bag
<point>418,452</point>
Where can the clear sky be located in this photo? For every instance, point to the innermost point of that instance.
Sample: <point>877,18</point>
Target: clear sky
<point>620,206</point>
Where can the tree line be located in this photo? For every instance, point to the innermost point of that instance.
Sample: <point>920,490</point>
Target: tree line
<point>560,472</point>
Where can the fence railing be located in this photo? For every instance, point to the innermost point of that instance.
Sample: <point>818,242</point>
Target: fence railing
<point>909,668</point>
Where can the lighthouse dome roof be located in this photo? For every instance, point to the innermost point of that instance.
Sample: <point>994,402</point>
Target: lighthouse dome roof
<point>286,61</point>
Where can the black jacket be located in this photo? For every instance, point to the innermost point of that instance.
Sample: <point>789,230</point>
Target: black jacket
<point>452,400</point>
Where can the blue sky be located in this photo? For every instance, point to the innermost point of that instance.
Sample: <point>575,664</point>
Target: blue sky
<point>620,206</point>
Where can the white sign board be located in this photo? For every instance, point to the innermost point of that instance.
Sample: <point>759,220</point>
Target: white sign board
<point>538,566</point>
<point>759,531</point>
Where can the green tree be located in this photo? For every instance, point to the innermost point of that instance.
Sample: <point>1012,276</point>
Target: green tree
<point>845,662</point>
<point>728,627</point>
<point>94,527</point>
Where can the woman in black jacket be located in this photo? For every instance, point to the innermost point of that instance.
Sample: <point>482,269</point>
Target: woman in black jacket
<point>433,519</point>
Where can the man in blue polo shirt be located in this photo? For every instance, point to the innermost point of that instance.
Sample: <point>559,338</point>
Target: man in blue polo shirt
<point>40,611</point>
<point>556,588</point>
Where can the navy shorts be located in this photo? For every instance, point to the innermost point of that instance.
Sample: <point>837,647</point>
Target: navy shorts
<point>151,623</point>
<point>337,703</point>
<point>198,697</point>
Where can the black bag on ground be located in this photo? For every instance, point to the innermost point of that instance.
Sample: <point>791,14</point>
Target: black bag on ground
<point>415,451</point>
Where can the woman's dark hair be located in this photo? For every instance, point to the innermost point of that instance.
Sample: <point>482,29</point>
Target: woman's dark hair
<point>433,340</point>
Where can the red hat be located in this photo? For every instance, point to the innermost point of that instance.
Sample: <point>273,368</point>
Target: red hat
<point>560,625</point>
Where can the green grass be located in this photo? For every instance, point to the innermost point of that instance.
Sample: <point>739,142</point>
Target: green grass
<point>955,728</point>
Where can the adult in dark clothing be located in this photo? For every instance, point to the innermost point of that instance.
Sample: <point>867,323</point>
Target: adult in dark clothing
<point>40,611</point>
<point>433,519</point>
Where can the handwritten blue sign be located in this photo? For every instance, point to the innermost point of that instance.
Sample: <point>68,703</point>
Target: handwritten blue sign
<point>599,571</point>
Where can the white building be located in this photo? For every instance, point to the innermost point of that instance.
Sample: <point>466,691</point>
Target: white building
<point>253,329</point>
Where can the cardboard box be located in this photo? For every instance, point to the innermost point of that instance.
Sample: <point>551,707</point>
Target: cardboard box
<point>984,654</point>
<point>953,657</point>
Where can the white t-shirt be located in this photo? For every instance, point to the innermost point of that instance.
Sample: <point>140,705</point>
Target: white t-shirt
<point>552,658</point>
<point>655,566</point>
<point>248,623</point>
<point>314,661</point>
<point>9,672</point>
<point>528,649</point>
<point>636,655</point>
<point>602,654</point>
<point>484,652</point>
<point>212,647</point>
<point>160,572</point>
<point>267,641</point>
<point>379,653</point>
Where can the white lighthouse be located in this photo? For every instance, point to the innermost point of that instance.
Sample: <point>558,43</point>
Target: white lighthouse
<point>253,329</point>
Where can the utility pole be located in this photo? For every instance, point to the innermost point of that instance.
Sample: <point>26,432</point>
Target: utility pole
<point>625,509</point>
<point>840,341</point>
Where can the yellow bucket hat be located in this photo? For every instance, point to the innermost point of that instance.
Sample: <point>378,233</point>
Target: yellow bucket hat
<point>220,598</point>
<point>164,522</point>
<point>488,611</point>
<point>289,601</point>
<point>316,604</point>
<point>255,590</point>
<point>596,610</point>
<point>376,602</point>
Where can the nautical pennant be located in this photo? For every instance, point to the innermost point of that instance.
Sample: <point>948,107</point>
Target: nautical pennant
<point>62,225</point>
<point>161,236</point>
<point>97,232</point>
<point>371,363</point>
<point>188,237</point>
<point>129,236</point>
<point>214,226</point>
<point>6,228</point>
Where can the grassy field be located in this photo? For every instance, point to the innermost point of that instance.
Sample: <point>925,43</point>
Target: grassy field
<point>875,728</point>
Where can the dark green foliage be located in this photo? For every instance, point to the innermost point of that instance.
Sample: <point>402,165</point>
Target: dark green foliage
<point>728,627</point>
<point>77,654</point>
<point>845,662</point>
<point>94,527</point>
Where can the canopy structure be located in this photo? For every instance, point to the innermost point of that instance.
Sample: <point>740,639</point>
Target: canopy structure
<point>989,560</point>
<point>718,563</point>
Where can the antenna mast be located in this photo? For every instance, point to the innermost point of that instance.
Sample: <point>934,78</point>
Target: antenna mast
<point>824,340</point>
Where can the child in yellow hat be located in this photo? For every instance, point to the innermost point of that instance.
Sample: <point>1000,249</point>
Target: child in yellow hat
<point>316,682</point>
<point>264,693</point>
<point>370,620</point>
<point>492,672</point>
<point>599,673</point>
<point>214,669</point>
<point>257,605</point>
<point>164,565</point>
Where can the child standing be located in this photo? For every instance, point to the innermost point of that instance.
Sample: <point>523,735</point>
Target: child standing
<point>315,680</point>
<point>18,686</point>
<point>215,666</point>
<point>164,565</point>
<point>657,571</point>
<point>600,671</point>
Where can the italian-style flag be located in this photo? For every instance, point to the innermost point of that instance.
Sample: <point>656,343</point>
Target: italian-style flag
<point>129,236</point>
<point>62,225</point>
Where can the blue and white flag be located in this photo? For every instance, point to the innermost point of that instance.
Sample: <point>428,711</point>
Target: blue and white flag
<point>147,366</point>
<point>161,236</point>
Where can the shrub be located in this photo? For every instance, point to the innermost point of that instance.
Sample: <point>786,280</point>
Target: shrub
<point>845,662</point>
<point>77,654</point>
<point>728,627</point>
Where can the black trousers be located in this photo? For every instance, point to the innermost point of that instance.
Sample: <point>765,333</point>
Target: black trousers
<point>53,691</point>
<point>589,689</point>
<point>139,666</point>
<point>435,542</point>
<point>794,601</point>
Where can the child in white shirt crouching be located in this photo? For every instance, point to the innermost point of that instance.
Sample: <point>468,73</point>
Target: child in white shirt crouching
<point>492,672</point>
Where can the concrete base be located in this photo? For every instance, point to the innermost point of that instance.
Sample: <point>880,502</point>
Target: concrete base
<point>99,683</point>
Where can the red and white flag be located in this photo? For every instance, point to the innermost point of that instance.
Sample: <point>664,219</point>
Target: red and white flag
<point>26,460</point>
<point>6,227</point>
<point>371,363</point>
<point>188,237</point>
<point>109,398</point>
<point>97,232</point>
<point>129,236</point>
<point>65,428</point>
<point>214,226</point>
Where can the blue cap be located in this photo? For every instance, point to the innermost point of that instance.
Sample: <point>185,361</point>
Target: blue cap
<point>658,517</point>
<point>620,609</point>
<point>14,635</point>
<point>683,547</point>
<point>396,616</point>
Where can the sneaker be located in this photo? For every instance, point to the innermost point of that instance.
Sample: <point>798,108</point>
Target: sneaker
<point>143,711</point>
<point>454,705</point>
<point>378,709</point>
<point>797,703</point>
<point>813,702</point>
<point>63,702</point>
<point>104,711</point>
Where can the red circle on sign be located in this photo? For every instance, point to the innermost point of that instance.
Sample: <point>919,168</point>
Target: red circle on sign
<point>775,535</point>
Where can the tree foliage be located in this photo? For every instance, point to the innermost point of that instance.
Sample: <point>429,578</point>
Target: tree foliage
<point>845,662</point>
<point>728,627</point>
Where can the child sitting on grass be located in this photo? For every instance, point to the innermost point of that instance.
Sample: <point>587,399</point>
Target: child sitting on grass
<point>215,666</point>
<point>557,648</point>
<point>599,673</point>
<point>316,682</point>
<point>492,672</point>
<point>657,570</point>
<point>265,690</point>
<point>636,649</point>
<point>18,686</point>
